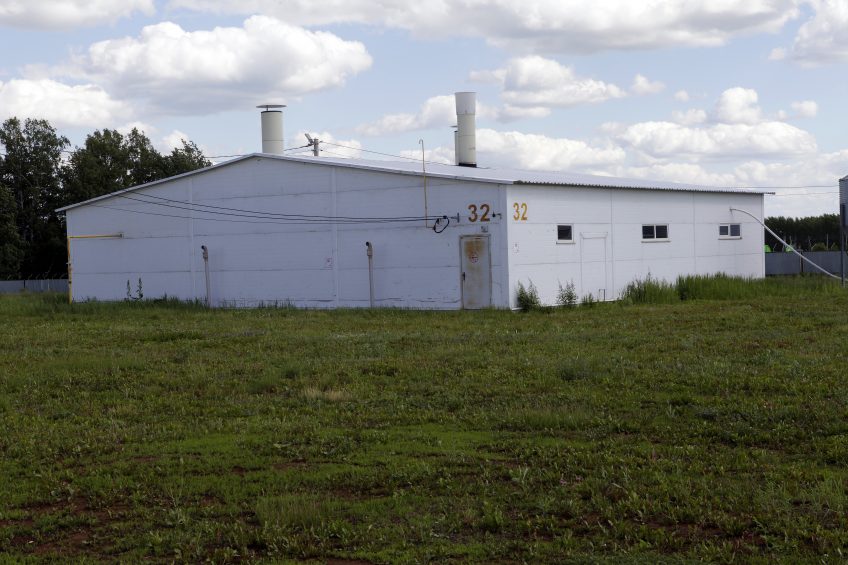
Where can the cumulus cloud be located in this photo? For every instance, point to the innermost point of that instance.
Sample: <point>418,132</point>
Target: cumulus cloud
<point>738,106</point>
<point>689,117</point>
<point>641,85</point>
<point>667,139</point>
<point>681,95</point>
<point>68,14</point>
<point>551,26</point>
<point>438,111</point>
<point>62,104</point>
<point>806,108</point>
<point>226,67</point>
<point>534,151</point>
<point>537,82</point>
<point>823,38</point>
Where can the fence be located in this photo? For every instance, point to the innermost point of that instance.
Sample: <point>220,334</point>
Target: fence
<point>40,285</point>
<point>791,264</point>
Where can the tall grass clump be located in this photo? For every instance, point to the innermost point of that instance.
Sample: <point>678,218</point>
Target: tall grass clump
<point>725,287</point>
<point>567,296</point>
<point>528,297</point>
<point>649,291</point>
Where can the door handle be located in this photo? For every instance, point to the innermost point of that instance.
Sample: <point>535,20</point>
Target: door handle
<point>463,276</point>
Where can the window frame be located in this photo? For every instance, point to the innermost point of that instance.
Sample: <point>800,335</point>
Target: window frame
<point>730,227</point>
<point>565,241</point>
<point>654,238</point>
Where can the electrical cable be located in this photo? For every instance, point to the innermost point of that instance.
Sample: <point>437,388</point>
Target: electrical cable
<point>255,213</point>
<point>291,219</point>
<point>436,223</point>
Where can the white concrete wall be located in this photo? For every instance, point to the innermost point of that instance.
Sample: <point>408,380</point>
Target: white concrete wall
<point>304,262</point>
<point>621,255</point>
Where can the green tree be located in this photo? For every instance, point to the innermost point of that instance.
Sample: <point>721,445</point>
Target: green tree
<point>185,159</point>
<point>109,161</point>
<point>11,249</point>
<point>30,172</point>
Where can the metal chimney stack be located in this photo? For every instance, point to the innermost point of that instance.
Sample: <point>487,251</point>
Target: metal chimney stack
<point>466,133</point>
<point>272,128</point>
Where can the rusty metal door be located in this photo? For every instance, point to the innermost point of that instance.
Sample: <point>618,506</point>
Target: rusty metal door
<point>476,275</point>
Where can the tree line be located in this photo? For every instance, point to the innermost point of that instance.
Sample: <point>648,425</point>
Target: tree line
<point>39,172</point>
<point>813,233</point>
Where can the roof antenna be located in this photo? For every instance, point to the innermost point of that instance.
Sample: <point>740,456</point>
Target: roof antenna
<point>313,142</point>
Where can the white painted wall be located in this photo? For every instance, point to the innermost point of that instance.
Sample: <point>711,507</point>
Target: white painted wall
<point>305,263</point>
<point>608,244</point>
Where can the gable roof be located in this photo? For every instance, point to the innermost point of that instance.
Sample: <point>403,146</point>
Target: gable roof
<point>435,170</point>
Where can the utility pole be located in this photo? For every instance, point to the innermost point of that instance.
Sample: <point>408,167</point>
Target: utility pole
<point>843,223</point>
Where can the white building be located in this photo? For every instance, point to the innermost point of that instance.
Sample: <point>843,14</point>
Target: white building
<point>293,230</point>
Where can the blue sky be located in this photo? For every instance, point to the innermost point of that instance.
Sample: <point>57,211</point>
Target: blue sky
<point>724,93</point>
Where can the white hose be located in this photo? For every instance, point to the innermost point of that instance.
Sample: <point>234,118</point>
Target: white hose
<point>786,244</point>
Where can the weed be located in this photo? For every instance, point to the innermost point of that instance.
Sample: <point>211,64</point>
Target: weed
<point>527,298</point>
<point>567,297</point>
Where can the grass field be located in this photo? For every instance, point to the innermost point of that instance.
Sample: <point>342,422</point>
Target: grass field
<point>698,430</point>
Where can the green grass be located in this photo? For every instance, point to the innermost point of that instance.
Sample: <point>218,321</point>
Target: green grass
<point>696,430</point>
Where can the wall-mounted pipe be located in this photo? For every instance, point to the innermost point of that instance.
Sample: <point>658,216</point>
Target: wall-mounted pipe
<point>369,250</point>
<point>206,272</point>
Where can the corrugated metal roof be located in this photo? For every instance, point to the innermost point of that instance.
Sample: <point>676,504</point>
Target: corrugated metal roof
<point>478,174</point>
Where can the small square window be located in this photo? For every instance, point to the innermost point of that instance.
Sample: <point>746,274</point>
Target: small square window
<point>655,231</point>
<point>729,231</point>
<point>564,233</point>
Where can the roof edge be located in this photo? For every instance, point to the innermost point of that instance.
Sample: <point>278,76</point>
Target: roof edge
<point>157,182</point>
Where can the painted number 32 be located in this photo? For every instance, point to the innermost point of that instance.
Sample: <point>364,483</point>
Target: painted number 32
<point>480,214</point>
<point>520,211</point>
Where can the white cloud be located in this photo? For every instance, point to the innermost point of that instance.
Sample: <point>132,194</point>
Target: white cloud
<point>689,117</point>
<point>533,151</point>
<point>575,26</point>
<point>823,38</point>
<point>666,139</point>
<point>537,82</point>
<point>68,14</point>
<point>641,85</point>
<point>444,155</point>
<point>777,54</point>
<point>61,104</point>
<point>438,111</point>
<point>226,67</point>
<point>681,95</point>
<point>738,106</point>
<point>806,108</point>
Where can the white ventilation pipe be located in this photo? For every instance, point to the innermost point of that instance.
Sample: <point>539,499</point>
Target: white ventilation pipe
<point>272,128</point>
<point>466,133</point>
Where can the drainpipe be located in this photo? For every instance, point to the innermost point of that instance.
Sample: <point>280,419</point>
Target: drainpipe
<point>206,272</point>
<point>369,250</point>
